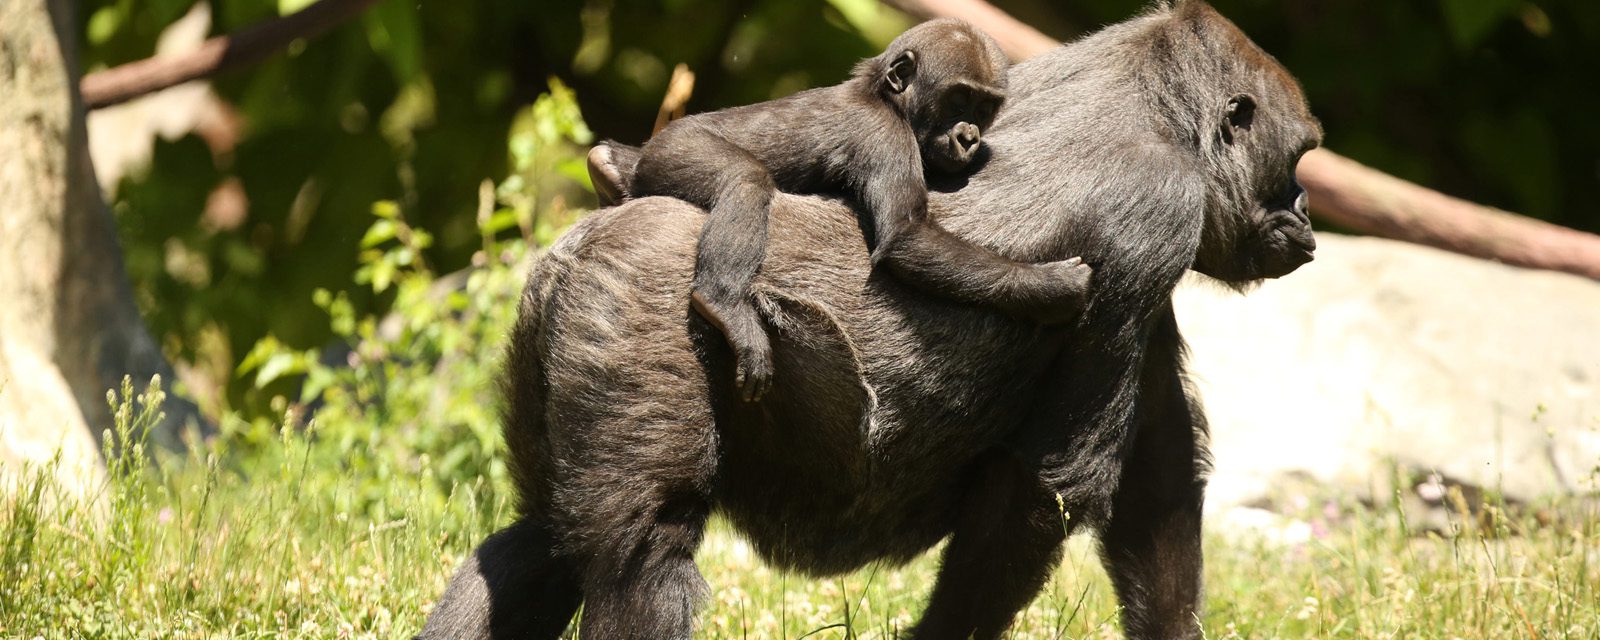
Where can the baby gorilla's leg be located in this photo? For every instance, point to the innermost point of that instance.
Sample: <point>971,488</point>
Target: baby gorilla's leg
<point>747,335</point>
<point>733,243</point>
<point>731,184</point>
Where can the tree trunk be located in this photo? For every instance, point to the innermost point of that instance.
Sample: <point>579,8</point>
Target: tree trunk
<point>69,329</point>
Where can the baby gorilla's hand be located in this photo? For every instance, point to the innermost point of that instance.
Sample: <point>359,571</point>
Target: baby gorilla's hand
<point>1071,286</point>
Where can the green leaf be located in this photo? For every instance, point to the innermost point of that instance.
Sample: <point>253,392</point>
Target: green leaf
<point>387,209</point>
<point>279,365</point>
<point>286,7</point>
<point>264,348</point>
<point>104,24</point>
<point>382,275</point>
<point>317,381</point>
<point>501,220</point>
<point>380,232</point>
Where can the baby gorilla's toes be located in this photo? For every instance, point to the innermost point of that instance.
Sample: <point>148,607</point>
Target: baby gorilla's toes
<point>747,335</point>
<point>1075,275</point>
<point>755,372</point>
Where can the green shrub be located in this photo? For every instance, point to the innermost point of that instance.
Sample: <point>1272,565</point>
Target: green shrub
<point>412,394</point>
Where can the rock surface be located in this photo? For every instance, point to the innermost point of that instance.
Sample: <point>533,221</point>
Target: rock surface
<point>1382,354</point>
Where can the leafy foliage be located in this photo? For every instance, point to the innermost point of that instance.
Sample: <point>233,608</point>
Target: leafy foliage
<point>412,394</point>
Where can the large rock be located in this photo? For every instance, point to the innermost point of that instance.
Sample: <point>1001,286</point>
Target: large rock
<point>1383,353</point>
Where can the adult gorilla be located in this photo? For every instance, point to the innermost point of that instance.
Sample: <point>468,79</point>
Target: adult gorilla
<point>1159,145</point>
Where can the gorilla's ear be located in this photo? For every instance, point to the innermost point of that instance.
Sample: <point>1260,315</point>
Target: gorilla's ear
<point>1237,114</point>
<point>901,72</point>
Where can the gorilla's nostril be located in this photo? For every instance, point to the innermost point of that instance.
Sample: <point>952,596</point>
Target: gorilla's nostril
<point>966,135</point>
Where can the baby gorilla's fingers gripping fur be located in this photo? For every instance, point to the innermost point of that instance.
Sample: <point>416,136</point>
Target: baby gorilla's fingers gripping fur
<point>1073,275</point>
<point>1048,293</point>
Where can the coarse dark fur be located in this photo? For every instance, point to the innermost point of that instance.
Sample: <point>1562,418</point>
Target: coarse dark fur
<point>1159,145</point>
<point>926,99</point>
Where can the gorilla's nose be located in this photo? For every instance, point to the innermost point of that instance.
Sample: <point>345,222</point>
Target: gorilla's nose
<point>967,135</point>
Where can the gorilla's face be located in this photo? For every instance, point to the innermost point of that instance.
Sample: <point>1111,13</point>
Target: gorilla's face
<point>1257,223</point>
<point>957,119</point>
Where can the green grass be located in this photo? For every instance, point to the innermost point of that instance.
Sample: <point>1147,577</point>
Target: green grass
<point>264,543</point>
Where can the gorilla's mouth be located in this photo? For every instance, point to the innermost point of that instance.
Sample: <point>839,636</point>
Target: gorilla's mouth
<point>948,154</point>
<point>1295,253</point>
<point>1306,243</point>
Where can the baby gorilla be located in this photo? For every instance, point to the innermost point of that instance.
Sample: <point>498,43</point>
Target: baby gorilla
<point>924,101</point>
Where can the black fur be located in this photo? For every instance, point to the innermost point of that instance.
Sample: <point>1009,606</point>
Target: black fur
<point>909,419</point>
<point>926,99</point>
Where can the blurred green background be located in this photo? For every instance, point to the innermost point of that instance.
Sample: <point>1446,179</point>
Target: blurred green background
<point>421,111</point>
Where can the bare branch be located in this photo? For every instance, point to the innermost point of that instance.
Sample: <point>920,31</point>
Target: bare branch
<point>1019,40</point>
<point>128,81</point>
<point>1349,194</point>
<point>1353,195</point>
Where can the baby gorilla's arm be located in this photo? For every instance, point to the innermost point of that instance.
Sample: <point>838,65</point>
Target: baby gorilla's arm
<point>930,258</point>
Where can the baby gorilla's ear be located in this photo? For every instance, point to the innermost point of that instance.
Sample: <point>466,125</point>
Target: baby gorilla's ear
<point>901,72</point>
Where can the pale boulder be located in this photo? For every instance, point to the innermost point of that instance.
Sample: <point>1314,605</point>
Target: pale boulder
<point>1382,354</point>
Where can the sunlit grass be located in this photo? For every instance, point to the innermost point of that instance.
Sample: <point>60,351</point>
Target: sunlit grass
<point>222,544</point>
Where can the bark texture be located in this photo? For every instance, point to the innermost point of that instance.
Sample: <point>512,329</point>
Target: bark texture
<point>69,329</point>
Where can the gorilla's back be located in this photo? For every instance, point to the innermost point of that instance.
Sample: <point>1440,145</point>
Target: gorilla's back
<point>608,355</point>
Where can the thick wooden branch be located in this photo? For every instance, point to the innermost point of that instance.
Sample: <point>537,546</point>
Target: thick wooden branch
<point>1345,192</point>
<point>1358,197</point>
<point>128,81</point>
<point>1019,40</point>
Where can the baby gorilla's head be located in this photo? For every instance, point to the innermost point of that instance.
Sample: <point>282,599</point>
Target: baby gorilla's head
<point>948,79</point>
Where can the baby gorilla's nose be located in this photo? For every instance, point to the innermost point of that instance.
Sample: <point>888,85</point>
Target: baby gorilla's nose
<point>967,135</point>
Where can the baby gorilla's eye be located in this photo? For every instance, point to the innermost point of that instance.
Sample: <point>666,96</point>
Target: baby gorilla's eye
<point>957,100</point>
<point>984,111</point>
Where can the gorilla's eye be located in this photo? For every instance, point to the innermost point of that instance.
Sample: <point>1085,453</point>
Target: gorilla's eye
<point>958,99</point>
<point>984,111</point>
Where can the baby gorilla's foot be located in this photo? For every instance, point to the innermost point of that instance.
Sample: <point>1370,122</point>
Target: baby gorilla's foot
<point>747,335</point>
<point>754,373</point>
<point>611,172</point>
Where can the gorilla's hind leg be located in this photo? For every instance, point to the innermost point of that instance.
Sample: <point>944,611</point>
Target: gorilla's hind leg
<point>513,586</point>
<point>701,167</point>
<point>644,584</point>
<point>1006,541</point>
